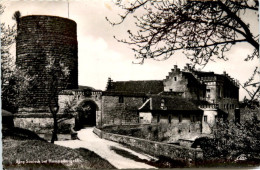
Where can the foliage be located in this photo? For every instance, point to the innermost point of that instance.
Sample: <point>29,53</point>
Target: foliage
<point>203,29</point>
<point>231,139</point>
<point>7,65</point>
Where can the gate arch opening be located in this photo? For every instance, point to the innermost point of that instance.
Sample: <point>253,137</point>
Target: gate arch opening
<point>86,114</point>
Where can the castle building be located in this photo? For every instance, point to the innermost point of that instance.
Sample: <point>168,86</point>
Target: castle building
<point>195,96</point>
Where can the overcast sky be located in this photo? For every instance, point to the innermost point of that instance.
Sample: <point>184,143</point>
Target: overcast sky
<point>101,56</point>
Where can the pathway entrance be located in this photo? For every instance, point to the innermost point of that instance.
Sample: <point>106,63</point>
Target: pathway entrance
<point>108,150</point>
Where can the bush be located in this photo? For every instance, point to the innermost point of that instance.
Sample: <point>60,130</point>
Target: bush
<point>231,139</point>
<point>19,134</point>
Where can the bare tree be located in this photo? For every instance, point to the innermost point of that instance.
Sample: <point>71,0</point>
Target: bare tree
<point>203,30</point>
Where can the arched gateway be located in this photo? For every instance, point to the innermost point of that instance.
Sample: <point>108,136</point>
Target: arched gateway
<point>86,104</point>
<point>86,111</point>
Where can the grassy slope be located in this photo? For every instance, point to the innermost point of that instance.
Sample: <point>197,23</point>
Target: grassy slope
<point>24,145</point>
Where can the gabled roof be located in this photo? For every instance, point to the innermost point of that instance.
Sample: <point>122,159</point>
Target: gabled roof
<point>191,77</point>
<point>169,103</point>
<point>147,87</point>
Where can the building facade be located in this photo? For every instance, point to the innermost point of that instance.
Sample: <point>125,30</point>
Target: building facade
<point>212,95</point>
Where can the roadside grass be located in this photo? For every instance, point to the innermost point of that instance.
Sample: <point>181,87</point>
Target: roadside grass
<point>162,162</point>
<point>165,162</point>
<point>23,149</point>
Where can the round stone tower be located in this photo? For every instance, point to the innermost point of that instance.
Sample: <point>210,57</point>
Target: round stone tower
<point>41,40</point>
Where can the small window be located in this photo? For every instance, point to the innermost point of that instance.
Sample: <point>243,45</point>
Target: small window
<point>162,104</point>
<point>141,118</point>
<point>175,78</point>
<point>180,118</point>
<point>170,90</point>
<point>237,115</point>
<point>170,119</point>
<point>208,90</point>
<point>193,119</point>
<point>121,99</point>
<point>158,118</point>
<point>205,118</point>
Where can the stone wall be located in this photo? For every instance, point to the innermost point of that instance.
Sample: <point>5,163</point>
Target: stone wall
<point>41,40</point>
<point>154,148</point>
<point>174,129</point>
<point>42,123</point>
<point>114,112</point>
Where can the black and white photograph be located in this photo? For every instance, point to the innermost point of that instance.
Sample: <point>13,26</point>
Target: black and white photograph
<point>130,84</point>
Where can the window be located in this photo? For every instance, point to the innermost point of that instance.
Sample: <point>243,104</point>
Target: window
<point>170,119</point>
<point>205,118</point>
<point>192,118</point>
<point>180,118</point>
<point>158,118</point>
<point>170,90</point>
<point>208,90</point>
<point>175,78</point>
<point>121,99</point>
<point>162,104</point>
<point>237,116</point>
<point>141,117</point>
